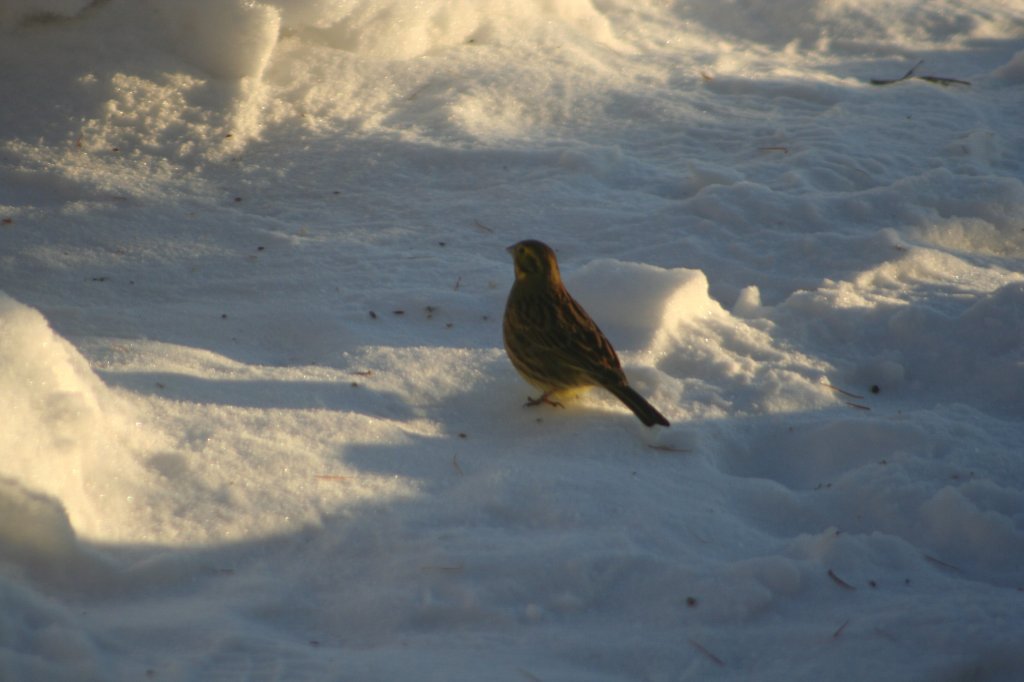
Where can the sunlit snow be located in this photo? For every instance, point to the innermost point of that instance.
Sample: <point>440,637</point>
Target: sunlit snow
<point>258,423</point>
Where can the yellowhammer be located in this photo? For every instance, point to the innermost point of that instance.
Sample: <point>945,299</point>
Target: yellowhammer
<point>551,340</point>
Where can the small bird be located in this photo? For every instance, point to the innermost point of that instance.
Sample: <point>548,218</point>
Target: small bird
<point>551,340</point>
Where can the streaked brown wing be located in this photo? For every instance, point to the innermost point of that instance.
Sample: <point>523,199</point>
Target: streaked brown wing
<point>558,344</point>
<point>586,347</point>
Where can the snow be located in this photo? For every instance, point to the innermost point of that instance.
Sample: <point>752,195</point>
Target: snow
<point>258,419</point>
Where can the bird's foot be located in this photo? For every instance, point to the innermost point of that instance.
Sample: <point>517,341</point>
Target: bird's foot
<point>544,399</point>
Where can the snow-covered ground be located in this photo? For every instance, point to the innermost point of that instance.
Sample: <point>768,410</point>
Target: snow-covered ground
<point>257,422</point>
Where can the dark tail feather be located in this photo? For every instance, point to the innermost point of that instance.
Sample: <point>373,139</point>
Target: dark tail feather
<point>640,407</point>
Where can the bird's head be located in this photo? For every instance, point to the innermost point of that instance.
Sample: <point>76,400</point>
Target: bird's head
<point>534,260</point>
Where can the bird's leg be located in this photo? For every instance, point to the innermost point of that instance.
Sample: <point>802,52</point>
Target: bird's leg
<point>543,399</point>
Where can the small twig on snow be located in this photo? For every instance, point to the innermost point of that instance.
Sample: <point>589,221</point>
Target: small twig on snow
<point>943,564</point>
<point>908,74</point>
<point>839,630</point>
<point>944,81</point>
<point>939,80</point>
<point>841,391</point>
<point>701,648</point>
<point>839,581</point>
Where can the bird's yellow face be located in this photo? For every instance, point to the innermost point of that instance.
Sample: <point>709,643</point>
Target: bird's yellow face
<point>534,260</point>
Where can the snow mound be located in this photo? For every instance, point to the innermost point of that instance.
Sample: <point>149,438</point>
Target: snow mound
<point>228,39</point>
<point>730,363</point>
<point>70,439</point>
<point>402,30</point>
<point>55,402</point>
<point>937,348</point>
<point>848,24</point>
<point>185,81</point>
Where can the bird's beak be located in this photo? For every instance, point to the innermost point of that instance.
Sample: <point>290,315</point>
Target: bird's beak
<point>509,249</point>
